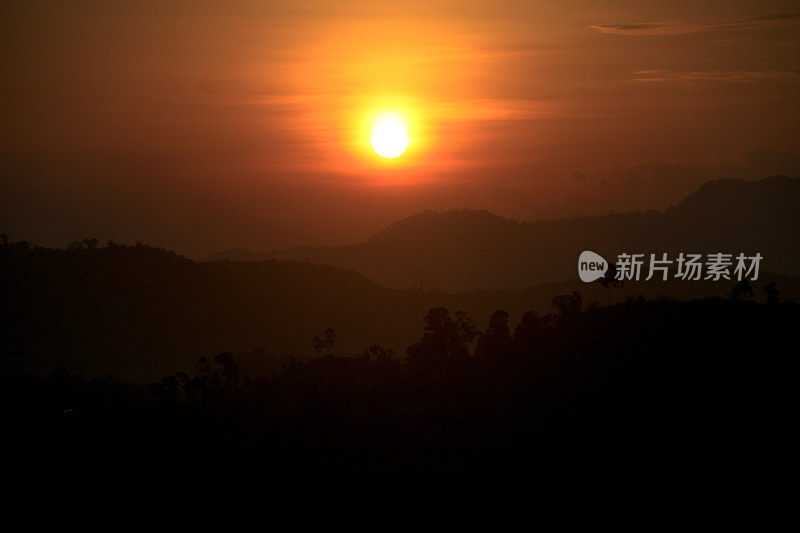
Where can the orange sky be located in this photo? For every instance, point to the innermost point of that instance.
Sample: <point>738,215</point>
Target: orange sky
<point>207,125</point>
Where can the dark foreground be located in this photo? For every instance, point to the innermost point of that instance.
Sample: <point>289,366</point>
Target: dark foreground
<point>704,382</point>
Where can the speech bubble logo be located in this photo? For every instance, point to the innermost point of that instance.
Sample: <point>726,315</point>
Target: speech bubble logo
<point>591,266</point>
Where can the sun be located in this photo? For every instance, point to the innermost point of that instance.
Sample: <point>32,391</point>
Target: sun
<point>389,137</point>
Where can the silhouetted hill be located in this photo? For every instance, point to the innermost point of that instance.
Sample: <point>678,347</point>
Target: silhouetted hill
<point>143,312</point>
<point>236,254</point>
<point>467,249</point>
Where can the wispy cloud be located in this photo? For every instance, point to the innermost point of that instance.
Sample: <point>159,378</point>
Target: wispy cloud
<point>648,29</point>
<point>715,76</point>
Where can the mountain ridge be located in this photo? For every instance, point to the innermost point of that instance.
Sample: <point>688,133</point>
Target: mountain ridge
<point>468,249</point>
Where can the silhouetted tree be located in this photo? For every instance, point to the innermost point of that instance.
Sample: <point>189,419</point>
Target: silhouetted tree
<point>445,340</point>
<point>203,367</point>
<point>326,342</point>
<point>568,305</point>
<point>167,391</point>
<point>771,290</point>
<point>527,329</point>
<point>496,342</point>
<point>319,345</point>
<point>379,353</point>
<point>330,338</point>
<point>742,290</point>
<point>609,280</point>
<point>229,372</point>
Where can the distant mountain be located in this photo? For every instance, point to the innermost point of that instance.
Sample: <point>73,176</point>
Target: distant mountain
<point>466,249</point>
<point>143,312</point>
<point>236,254</point>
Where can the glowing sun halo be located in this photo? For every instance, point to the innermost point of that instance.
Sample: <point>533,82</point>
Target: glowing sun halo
<point>389,137</point>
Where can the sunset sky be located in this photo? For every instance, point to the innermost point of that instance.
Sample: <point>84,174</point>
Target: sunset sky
<point>201,126</point>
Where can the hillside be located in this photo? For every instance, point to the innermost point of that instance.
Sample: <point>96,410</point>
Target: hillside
<point>468,250</point>
<point>143,312</point>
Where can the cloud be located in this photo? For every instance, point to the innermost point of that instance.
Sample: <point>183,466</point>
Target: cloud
<point>677,28</point>
<point>715,76</point>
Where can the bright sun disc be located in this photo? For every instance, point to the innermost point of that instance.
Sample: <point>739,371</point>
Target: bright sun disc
<point>389,138</point>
